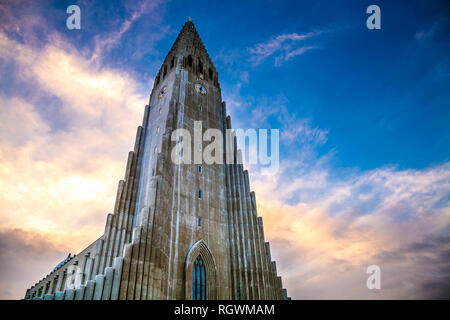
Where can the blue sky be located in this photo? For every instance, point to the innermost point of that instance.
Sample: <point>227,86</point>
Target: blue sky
<point>382,95</point>
<point>363,117</point>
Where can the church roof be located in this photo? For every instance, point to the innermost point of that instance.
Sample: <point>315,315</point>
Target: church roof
<point>59,265</point>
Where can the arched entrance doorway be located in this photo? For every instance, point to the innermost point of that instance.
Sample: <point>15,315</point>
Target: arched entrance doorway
<point>200,273</point>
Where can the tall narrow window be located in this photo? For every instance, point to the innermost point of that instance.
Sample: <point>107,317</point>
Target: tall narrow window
<point>165,71</point>
<point>199,280</point>
<point>211,74</point>
<point>200,169</point>
<point>172,63</point>
<point>200,193</point>
<point>189,61</point>
<point>200,66</point>
<point>200,108</point>
<point>199,221</point>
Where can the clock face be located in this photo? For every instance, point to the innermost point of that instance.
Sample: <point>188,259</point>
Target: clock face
<point>162,92</point>
<point>200,89</point>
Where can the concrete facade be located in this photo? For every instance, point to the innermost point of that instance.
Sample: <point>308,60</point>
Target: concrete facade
<point>167,214</point>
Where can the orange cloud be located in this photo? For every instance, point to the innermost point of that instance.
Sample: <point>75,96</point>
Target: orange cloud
<point>323,249</point>
<point>61,182</point>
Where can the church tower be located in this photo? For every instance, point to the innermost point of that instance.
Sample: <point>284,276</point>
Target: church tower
<point>178,230</point>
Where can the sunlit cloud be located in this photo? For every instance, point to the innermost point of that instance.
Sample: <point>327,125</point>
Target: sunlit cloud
<point>61,182</point>
<point>335,228</point>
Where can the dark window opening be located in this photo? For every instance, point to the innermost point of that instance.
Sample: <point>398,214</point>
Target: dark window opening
<point>199,280</point>
<point>200,194</point>
<point>200,66</point>
<point>189,61</point>
<point>172,63</point>
<point>165,71</point>
<point>199,221</point>
<point>211,74</point>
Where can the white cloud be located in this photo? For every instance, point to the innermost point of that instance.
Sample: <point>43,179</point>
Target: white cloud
<point>285,46</point>
<point>291,54</point>
<point>103,45</point>
<point>301,129</point>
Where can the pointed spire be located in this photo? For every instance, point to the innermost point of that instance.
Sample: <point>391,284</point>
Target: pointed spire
<point>189,47</point>
<point>189,41</point>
